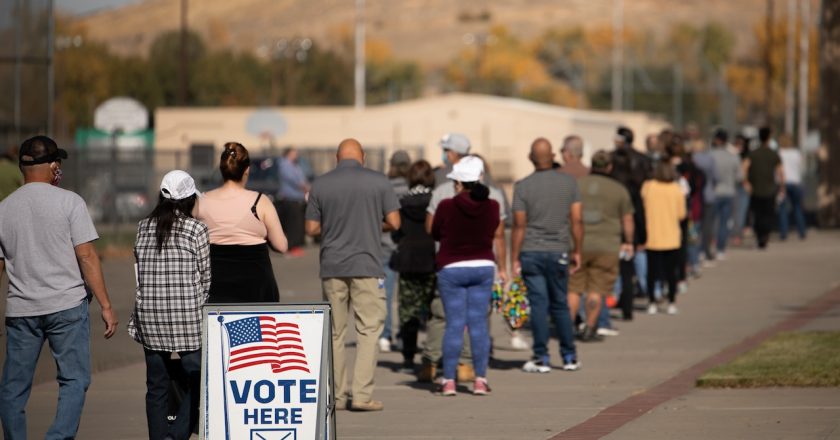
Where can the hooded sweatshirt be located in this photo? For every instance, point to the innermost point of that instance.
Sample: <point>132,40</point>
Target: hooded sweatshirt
<point>465,229</point>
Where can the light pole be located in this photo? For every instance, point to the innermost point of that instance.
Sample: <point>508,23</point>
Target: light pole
<point>789,70</point>
<point>804,57</point>
<point>359,72</point>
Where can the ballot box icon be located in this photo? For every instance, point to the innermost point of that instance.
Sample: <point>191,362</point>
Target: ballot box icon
<point>274,434</point>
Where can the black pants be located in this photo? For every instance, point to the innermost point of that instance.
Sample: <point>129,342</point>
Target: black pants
<point>627,272</point>
<point>764,215</point>
<point>291,214</point>
<point>159,375</point>
<point>662,266</point>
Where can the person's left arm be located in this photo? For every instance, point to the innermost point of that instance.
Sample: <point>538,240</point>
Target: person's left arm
<point>313,213</point>
<point>576,219</point>
<point>780,177</point>
<point>500,252</point>
<point>390,208</point>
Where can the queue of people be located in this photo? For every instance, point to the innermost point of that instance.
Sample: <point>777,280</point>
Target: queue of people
<point>632,224</point>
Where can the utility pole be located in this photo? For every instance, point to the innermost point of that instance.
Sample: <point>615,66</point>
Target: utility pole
<point>790,105</point>
<point>359,72</point>
<point>18,61</point>
<point>183,66</point>
<point>804,67</point>
<point>768,65</point>
<point>50,65</point>
<point>618,54</point>
<point>828,191</point>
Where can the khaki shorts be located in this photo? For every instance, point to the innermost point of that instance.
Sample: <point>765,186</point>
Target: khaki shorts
<point>597,273</point>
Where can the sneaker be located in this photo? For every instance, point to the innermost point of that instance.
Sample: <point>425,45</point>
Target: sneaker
<point>407,368</point>
<point>384,345</point>
<point>517,342</point>
<point>537,366</point>
<point>480,388</point>
<point>591,335</point>
<point>570,363</point>
<point>652,309</point>
<point>721,256</point>
<point>709,264</point>
<point>446,387</point>
<point>672,309</point>
<point>682,288</point>
<point>607,331</point>
<point>370,405</point>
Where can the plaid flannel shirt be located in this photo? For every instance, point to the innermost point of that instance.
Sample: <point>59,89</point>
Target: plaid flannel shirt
<point>172,285</point>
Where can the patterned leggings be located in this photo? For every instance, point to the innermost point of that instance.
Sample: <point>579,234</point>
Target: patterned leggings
<point>415,294</point>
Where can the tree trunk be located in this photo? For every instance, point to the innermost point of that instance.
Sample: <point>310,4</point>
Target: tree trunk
<point>829,115</point>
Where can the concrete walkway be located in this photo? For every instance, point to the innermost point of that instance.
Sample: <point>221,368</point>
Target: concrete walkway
<point>751,291</point>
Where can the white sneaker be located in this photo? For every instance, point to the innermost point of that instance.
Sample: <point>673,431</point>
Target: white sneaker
<point>652,309</point>
<point>517,342</point>
<point>384,345</point>
<point>682,287</point>
<point>536,366</point>
<point>672,309</point>
<point>720,256</point>
<point>607,331</point>
<point>708,264</point>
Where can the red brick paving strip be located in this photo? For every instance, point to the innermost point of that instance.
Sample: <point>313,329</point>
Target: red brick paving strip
<point>618,415</point>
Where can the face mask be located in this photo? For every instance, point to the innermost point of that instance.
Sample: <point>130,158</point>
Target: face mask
<point>57,177</point>
<point>445,158</point>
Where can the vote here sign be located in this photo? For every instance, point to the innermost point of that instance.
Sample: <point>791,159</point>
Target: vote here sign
<point>266,372</point>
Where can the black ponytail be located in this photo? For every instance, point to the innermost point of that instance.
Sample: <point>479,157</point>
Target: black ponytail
<point>165,214</point>
<point>478,191</point>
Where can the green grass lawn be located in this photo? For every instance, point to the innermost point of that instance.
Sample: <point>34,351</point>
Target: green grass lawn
<point>795,359</point>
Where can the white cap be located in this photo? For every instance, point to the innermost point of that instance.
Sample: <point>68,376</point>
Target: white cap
<point>468,169</point>
<point>177,185</point>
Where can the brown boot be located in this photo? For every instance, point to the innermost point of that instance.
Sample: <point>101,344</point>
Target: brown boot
<point>371,405</point>
<point>427,371</point>
<point>466,373</point>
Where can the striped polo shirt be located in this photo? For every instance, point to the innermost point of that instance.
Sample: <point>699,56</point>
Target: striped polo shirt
<point>546,197</point>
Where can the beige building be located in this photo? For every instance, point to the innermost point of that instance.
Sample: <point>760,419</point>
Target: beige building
<point>501,129</point>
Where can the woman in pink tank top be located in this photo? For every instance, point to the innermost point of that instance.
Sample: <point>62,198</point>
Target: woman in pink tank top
<point>242,225</point>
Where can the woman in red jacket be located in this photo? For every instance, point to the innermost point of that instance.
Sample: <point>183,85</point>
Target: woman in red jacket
<point>465,226</point>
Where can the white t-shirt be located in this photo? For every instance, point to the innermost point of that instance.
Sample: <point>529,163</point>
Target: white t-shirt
<point>792,165</point>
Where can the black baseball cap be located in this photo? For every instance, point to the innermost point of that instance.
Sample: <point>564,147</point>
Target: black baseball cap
<point>39,149</point>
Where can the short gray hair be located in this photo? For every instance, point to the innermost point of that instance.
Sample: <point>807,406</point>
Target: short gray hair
<point>574,145</point>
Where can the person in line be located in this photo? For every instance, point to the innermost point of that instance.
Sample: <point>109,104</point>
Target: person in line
<point>741,148</point>
<point>572,153</point>
<point>632,168</point>
<point>466,227</point>
<point>349,207</point>
<point>455,148</point>
<point>766,179</point>
<point>46,249</point>
<point>664,203</point>
<point>547,227</point>
<point>293,188</point>
<point>397,173</point>
<point>703,160</point>
<point>173,282</point>
<point>414,259</point>
<point>242,225</point>
<point>729,176</point>
<point>608,228</point>
<point>792,204</point>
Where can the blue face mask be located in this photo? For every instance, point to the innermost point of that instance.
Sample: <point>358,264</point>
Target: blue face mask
<point>445,158</point>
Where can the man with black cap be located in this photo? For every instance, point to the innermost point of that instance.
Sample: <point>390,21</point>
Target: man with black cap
<point>46,248</point>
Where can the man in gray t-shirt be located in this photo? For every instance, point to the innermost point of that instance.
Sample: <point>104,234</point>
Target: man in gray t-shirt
<point>546,219</point>
<point>46,249</point>
<point>729,174</point>
<point>347,207</point>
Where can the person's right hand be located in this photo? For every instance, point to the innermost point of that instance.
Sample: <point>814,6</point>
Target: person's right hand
<point>109,317</point>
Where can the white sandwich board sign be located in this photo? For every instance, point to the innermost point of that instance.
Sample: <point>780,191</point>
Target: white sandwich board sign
<point>267,372</point>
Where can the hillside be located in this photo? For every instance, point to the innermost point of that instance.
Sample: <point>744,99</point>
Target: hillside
<point>430,31</point>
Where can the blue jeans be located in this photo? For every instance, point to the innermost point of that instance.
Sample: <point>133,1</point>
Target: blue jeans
<point>68,333</point>
<point>792,202</point>
<point>546,278</point>
<point>742,208</point>
<point>723,211</point>
<point>158,378</point>
<point>694,246</point>
<point>390,285</point>
<point>641,266</point>
<point>465,292</point>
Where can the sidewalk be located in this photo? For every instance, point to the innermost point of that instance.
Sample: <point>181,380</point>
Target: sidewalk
<point>747,293</point>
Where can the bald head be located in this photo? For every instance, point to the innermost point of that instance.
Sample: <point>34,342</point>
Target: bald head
<point>541,154</point>
<point>350,149</point>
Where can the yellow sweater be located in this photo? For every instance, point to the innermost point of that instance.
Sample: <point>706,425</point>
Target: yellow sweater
<point>664,208</point>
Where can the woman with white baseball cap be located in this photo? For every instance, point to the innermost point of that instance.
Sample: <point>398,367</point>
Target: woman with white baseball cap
<point>465,226</point>
<point>173,282</point>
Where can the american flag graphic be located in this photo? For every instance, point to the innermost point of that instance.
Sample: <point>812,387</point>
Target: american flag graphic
<point>261,340</point>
